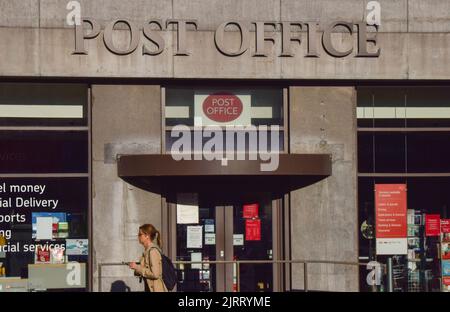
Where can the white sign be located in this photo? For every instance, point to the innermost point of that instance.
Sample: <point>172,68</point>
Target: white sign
<point>238,240</point>
<point>219,107</point>
<point>44,227</point>
<point>187,214</point>
<point>194,236</point>
<point>392,246</point>
<point>195,257</point>
<point>210,238</point>
<point>209,228</point>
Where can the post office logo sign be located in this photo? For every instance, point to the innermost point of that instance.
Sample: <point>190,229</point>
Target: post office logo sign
<point>222,107</point>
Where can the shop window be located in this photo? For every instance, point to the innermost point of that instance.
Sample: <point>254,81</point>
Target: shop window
<point>28,104</point>
<point>403,107</point>
<point>401,153</point>
<point>43,151</point>
<point>379,107</point>
<point>44,223</point>
<point>365,152</point>
<point>381,152</point>
<point>428,107</point>
<point>428,152</point>
<point>44,187</point>
<point>249,108</point>
<point>421,268</point>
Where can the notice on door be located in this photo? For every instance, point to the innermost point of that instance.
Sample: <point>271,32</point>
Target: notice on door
<point>238,239</point>
<point>250,211</point>
<point>210,238</point>
<point>253,230</point>
<point>391,219</point>
<point>196,257</point>
<point>194,236</point>
<point>187,214</point>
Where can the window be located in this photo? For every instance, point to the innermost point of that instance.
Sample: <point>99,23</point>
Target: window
<point>403,138</point>
<point>225,108</point>
<point>44,186</point>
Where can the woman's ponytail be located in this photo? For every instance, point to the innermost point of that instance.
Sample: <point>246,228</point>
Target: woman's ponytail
<point>158,238</point>
<point>151,231</point>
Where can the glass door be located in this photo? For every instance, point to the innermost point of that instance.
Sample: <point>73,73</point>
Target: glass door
<point>208,229</point>
<point>252,240</point>
<point>196,240</point>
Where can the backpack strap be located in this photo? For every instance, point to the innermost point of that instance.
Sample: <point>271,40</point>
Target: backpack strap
<point>150,258</point>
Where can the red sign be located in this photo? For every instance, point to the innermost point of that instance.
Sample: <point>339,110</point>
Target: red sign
<point>222,107</point>
<point>445,251</point>
<point>445,225</point>
<point>446,280</point>
<point>250,211</point>
<point>390,211</point>
<point>432,225</point>
<point>253,230</point>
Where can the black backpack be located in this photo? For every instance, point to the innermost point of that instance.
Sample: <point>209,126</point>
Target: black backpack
<point>169,274</point>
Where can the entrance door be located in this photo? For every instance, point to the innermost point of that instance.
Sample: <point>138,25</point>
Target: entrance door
<point>210,229</point>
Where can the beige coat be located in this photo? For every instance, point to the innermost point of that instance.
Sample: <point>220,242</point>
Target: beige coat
<point>150,269</point>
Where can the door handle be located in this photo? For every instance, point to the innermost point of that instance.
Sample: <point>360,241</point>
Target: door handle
<point>222,254</point>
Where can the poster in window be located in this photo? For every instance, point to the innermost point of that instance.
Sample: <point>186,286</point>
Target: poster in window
<point>253,230</point>
<point>432,225</point>
<point>44,228</point>
<point>57,255</point>
<point>42,255</point>
<point>77,247</point>
<point>391,219</point>
<point>445,226</point>
<point>446,268</point>
<point>445,251</point>
<point>250,211</point>
<point>446,280</point>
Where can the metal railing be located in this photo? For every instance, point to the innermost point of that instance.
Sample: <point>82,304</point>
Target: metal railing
<point>239,262</point>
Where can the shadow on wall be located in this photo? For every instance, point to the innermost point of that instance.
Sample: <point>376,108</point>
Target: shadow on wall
<point>120,286</point>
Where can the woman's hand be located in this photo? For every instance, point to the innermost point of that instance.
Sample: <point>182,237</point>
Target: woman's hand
<point>132,265</point>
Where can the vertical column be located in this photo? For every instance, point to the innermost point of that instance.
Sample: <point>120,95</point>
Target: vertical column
<point>125,120</point>
<point>324,216</point>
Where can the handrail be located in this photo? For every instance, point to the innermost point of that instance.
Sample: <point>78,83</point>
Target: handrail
<point>239,262</point>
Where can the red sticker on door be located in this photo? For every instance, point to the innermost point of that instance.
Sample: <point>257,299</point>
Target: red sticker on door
<point>253,230</point>
<point>250,211</point>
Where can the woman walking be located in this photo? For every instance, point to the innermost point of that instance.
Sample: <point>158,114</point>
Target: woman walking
<point>150,266</point>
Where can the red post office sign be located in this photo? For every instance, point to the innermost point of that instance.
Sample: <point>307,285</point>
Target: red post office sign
<point>390,210</point>
<point>222,107</point>
<point>432,225</point>
<point>391,219</point>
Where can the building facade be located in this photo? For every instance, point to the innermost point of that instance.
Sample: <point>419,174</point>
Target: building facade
<point>89,113</point>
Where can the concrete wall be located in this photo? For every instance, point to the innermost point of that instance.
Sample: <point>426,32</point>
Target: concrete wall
<point>414,38</point>
<point>125,120</point>
<point>324,216</point>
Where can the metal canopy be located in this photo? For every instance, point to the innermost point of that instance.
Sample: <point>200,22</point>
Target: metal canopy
<point>162,174</point>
